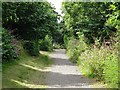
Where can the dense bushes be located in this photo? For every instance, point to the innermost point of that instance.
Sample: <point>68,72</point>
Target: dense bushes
<point>30,21</point>
<point>96,62</point>
<point>31,47</point>
<point>100,63</point>
<point>72,50</point>
<point>46,44</point>
<point>75,48</point>
<point>111,70</point>
<point>99,24</point>
<point>8,50</point>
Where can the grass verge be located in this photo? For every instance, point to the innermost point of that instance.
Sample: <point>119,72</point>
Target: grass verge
<point>26,72</point>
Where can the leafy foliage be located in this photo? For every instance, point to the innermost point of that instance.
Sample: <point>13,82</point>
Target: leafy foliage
<point>36,20</point>
<point>102,64</point>
<point>92,24</point>
<point>75,48</point>
<point>31,48</point>
<point>30,22</point>
<point>8,49</point>
<point>88,18</point>
<point>46,44</point>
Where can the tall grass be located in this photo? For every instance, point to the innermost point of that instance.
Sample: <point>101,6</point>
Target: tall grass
<point>100,63</point>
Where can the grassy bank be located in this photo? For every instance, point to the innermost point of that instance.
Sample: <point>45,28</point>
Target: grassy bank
<point>26,72</point>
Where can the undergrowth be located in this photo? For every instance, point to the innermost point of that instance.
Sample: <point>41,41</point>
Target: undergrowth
<point>99,63</point>
<point>25,72</point>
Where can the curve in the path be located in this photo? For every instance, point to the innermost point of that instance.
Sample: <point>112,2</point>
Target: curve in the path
<point>64,74</point>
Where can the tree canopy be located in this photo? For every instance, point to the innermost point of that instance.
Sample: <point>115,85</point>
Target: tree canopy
<point>29,20</point>
<point>90,18</point>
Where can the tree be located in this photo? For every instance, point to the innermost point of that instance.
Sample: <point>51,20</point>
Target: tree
<point>29,21</point>
<point>88,18</point>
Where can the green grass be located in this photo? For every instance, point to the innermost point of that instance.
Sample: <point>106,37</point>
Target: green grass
<point>0,76</point>
<point>25,72</point>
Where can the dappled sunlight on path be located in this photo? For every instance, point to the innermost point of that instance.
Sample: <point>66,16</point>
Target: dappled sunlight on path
<point>28,85</point>
<point>64,74</point>
<point>34,68</point>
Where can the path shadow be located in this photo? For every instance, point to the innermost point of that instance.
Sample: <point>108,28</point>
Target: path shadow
<point>58,80</point>
<point>68,80</point>
<point>62,62</point>
<point>60,75</point>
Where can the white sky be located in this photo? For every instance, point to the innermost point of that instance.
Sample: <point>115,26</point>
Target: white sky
<point>57,4</point>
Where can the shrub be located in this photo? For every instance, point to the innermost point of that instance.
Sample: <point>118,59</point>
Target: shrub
<point>92,60</point>
<point>111,70</point>
<point>8,49</point>
<point>75,47</point>
<point>31,47</point>
<point>65,40</point>
<point>46,44</point>
<point>100,63</point>
<point>72,50</point>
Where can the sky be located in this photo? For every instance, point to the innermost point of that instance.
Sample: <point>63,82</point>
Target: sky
<point>57,4</point>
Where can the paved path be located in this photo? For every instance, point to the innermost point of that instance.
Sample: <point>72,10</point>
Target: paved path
<point>64,74</point>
